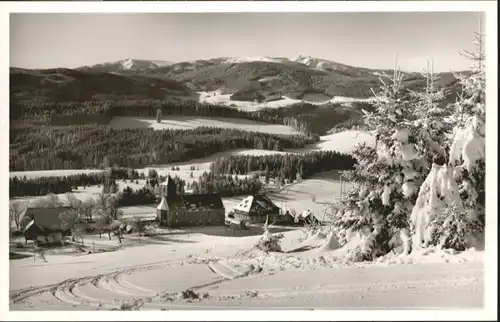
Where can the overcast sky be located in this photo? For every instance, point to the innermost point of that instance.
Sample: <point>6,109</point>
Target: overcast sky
<point>359,39</point>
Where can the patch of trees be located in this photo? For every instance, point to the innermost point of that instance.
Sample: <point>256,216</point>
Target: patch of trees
<point>285,167</point>
<point>71,112</point>
<point>226,185</point>
<point>41,186</point>
<point>130,197</point>
<point>98,146</point>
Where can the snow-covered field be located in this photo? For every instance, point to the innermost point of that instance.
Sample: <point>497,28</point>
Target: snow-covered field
<point>190,122</point>
<point>345,142</point>
<point>218,97</point>
<point>151,275</point>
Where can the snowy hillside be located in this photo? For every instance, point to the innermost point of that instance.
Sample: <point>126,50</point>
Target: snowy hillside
<point>225,272</point>
<point>129,64</point>
<point>345,142</point>
<point>318,63</point>
<point>256,58</point>
<point>219,97</point>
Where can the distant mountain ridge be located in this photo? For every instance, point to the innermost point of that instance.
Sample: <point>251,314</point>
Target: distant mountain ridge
<point>126,64</point>
<point>244,78</point>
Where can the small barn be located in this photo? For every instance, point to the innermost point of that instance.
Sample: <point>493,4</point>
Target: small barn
<point>256,209</point>
<point>177,210</point>
<point>44,225</point>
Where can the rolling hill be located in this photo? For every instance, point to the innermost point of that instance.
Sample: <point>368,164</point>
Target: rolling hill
<point>243,79</point>
<point>77,85</point>
<point>265,78</point>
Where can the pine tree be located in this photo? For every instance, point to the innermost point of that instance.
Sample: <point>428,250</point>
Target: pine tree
<point>387,177</point>
<point>432,119</point>
<point>454,223</point>
<point>450,206</point>
<point>467,151</point>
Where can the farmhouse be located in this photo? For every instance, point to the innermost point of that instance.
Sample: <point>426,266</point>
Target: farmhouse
<point>44,225</point>
<point>256,209</point>
<point>176,210</point>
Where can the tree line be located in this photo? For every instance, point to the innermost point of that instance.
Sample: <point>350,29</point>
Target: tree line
<point>291,166</point>
<point>41,186</point>
<point>99,146</point>
<point>226,185</point>
<point>306,118</point>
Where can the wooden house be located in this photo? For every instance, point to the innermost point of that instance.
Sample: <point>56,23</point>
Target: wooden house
<point>256,209</point>
<point>178,210</point>
<point>44,225</point>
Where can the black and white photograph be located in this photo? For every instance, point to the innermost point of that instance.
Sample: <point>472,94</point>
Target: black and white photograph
<point>167,161</point>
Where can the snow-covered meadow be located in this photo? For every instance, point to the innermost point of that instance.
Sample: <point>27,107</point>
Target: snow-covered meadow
<point>188,122</point>
<point>224,272</point>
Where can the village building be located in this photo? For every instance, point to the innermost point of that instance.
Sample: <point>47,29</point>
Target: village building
<point>44,225</point>
<point>178,210</point>
<point>306,218</point>
<point>256,209</point>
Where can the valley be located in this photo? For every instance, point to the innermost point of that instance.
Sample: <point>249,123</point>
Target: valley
<point>96,137</point>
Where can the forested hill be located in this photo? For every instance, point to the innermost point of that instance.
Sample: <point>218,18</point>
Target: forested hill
<point>93,146</point>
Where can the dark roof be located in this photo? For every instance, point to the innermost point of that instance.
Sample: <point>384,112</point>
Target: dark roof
<point>32,230</point>
<point>45,218</point>
<point>174,202</point>
<point>257,204</point>
<point>202,202</point>
<point>265,202</point>
<point>195,202</point>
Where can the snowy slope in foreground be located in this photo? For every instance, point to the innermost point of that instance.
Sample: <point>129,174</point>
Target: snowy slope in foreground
<point>155,273</point>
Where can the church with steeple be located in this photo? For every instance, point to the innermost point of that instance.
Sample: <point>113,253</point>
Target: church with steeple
<point>180,210</point>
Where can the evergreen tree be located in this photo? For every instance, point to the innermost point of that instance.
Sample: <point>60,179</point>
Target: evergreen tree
<point>467,151</point>
<point>387,177</point>
<point>451,224</point>
<point>432,119</point>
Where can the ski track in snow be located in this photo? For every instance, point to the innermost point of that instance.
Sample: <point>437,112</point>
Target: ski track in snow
<point>431,285</point>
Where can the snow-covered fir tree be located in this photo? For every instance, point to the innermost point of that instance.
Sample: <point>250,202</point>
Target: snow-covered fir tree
<point>387,177</point>
<point>467,151</point>
<point>450,206</point>
<point>433,119</point>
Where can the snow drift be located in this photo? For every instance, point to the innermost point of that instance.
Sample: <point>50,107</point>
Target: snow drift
<point>331,243</point>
